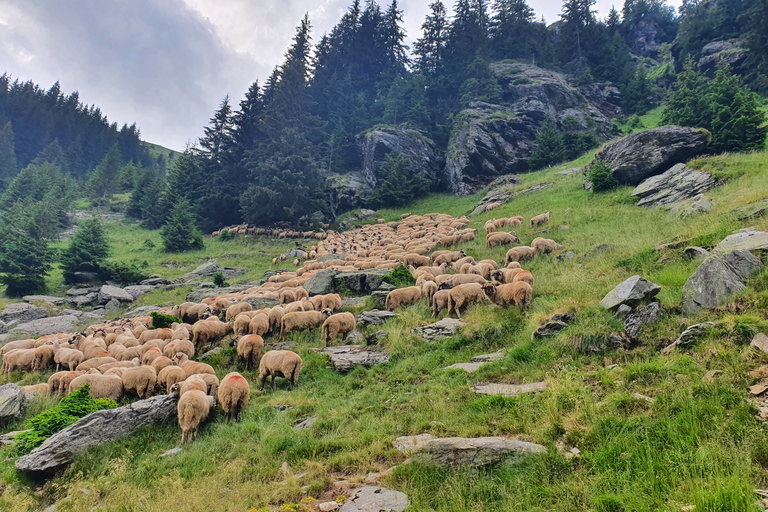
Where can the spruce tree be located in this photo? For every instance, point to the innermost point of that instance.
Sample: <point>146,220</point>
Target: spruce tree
<point>738,123</point>
<point>550,148</point>
<point>8,165</point>
<point>103,181</point>
<point>87,251</point>
<point>180,231</point>
<point>430,48</point>
<point>24,259</point>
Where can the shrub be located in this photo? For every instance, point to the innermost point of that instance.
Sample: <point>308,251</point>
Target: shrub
<point>399,183</point>
<point>227,235</point>
<point>122,273</point>
<point>70,409</point>
<point>400,277</point>
<point>601,176</point>
<point>88,248</point>
<point>550,148</point>
<point>162,321</point>
<point>24,262</point>
<point>218,280</point>
<point>180,231</point>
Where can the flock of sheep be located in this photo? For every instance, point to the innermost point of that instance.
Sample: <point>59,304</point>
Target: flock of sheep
<point>128,357</point>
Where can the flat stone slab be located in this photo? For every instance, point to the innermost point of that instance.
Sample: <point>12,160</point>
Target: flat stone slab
<point>12,401</point>
<point>21,312</point>
<point>346,357</point>
<point>719,276</point>
<point>673,186</point>
<point>750,241</point>
<point>467,367</point>
<point>760,342</point>
<point>107,293</point>
<point>43,326</point>
<point>445,328</point>
<point>56,301</point>
<point>487,358</point>
<point>466,452</point>
<point>374,317</point>
<point>376,499</point>
<point>509,390</point>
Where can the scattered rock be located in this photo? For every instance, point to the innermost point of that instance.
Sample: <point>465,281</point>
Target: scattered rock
<point>695,252</point>
<point>141,311</point>
<point>467,367</point>
<point>107,293</point>
<point>509,390</point>
<point>760,342</point>
<point>155,281</point>
<point>673,186</point>
<point>747,240</point>
<point>328,506</point>
<point>651,152</point>
<point>466,452</point>
<point>137,290</point>
<point>374,317</point>
<point>718,277</point>
<point>54,301</point>
<point>112,305</point>
<point>307,423</point>
<point>172,451</point>
<point>553,325</point>
<point>536,188</point>
<point>376,499</point>
<point>600,249</point>
<point>752,210</point>
<point>648,399</point>
<point>376,338</point>
<point>567,255</point>
<point>42,326</point>
<point>206,269</point>
<point>379,299</point>
<point>640,316</point>
<point>346,357</point>
<point>689,336</point>
<point>695,206</point>
<point>321,283</point>
<point>359,282</point>
<point>758,389</point>
<point>487,358</point>
<point>631,292</point>
<point>352,302</point>
<point>84,300</point>
<point>445,328</point>
<point>570,172</point>
<point>11,402</point>
<point>211,353</point>
<point>21,312</point>
<point>95,429</point>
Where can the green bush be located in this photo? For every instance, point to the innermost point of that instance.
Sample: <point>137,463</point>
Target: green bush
<point>601,176</point>
<point>400,277</point>
<point>180,231</point>
<point>162,321</point>
<point>70,409</point>
<point>227,235</point>
<point>218,280</point>
<point>88,248</point>
<point>122,273</point>
<point>399,184</point>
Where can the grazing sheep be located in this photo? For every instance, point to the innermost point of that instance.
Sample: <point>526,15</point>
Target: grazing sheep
<point>119,364</point>
<point>462,261</point>
<point>43,357</point>
<point>249,347</point>
<point>417,260</point>
<point>519,254</point>
<point>208,332</point>
<point>463,295</point>
<point>191,312</point>
<point>275,316</point>
<point>150,355</point>
<point>193,408</point>
<point>280,363</point>
<point>505,275</point>
<point>219,305</point>
<point>259,324</point>
<point>340,323</point>
<point>69,357</point>
<point>402,297</point>
<point>18,344</point>
<point>540,219</point>
<point>102,386</point>
<point>448,257</point>
<point>155,334</point>
<point>59,381</point>
<point>518,293</point>
<point>492,206</point>
<point>236,309</point>
<point>514,264</point>
<point>458,279</point>
<point>191,367</point>
<point>161,362</point>
<point>181,332</point>
<point>490,226</point>
<point>524,276</point>
<point>300,320</point>
<point>234,394</point>
<point>440,301</point>
<point>428,290</point>
<point>211,381</point>
<point>193,382</point>
<point>495,239</point>
<point>331,301</point>
<point>131,353</point>
<point>115,371</point>
<point>94,363</point>
<point>241,324</point>
<point>169,376</point>
<point>545,245</point>
<point>287,296</point>
<point>177,346</point>
<point>140,380</point>
<point>42,389</point>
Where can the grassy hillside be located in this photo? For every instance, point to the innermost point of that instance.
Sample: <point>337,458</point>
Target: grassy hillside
<point>156,150</point>
<point>698,443</point>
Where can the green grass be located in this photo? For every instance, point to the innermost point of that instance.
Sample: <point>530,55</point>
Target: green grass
<point>698,443</point>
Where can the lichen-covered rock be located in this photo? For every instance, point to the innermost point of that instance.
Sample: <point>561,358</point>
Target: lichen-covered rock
<point>321,283</point>
<point>640,316</point>
<point>346,357</point>
<point>631,292</point>
<point>107,293</point>
<point>374,317</point>
<point>21,312</point>
<point>746,240</point>
<point>673,186</point>
<point>718,277</point>
<point>43,326</point>
<point>11,402</point>
<point>652,152</point>
<point>375,499</point>
<point>444,328</point>
<point>360,282</point>
<point>466,452</point>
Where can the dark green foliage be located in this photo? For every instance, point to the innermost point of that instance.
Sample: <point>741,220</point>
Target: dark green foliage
<point>8,165</point>
<point>400,277</point>
<point>399,183</point>
<point>577,143</point>
<point>218,280</point>
<point>550,148</point>
<point>70,409</point>
<point>104,179</point>
<point>755,34</point>
<point>24,260</point>
<point>180,232</point>
<point>87,251</point>
<point>162,321</point>
<point>122,273</point>
<point>601,176</point>
<point>226,235</point>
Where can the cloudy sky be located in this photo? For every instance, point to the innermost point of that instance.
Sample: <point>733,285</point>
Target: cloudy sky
<point>167,64</point>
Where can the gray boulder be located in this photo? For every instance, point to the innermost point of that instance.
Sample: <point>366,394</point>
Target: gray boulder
<point>155,281</point>
<point>466,452</point>
<point>746,240</point>
<point>73,292</point>
<point>375,499</point>
<point>107,293</point>
<point>376,337</point>
<point>22,312</point>
<point>753,210</point>
<point>262,302</point>
<point>346,357</point>
<point>86,277</point>
<point>652,152</point>
<point>553,325</point>
<point>640,316</point>
<point>321,283</point>
<point>379,299</point>
<point>96,429</point>
<point>54,301</point>
<point>631,292</point>
<point>445,328</point>
<point>112,305</point>
<point>717,54</point>
<point>43,326</point>
<point>374,317</point>
<point>500,192</point>
<point>718,277</point>
<point>360,282</point>
<point>137,290</point>
<point>347,191</point>
<point>141,311</point>
<point>673,186</point>
<point>84,300</point>
<point>206,269</point>
<point>11,402</point>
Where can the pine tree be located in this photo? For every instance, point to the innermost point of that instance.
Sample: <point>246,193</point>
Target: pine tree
<point>755,23</point>
<point>103,182</point>
<point>613,21</point>
<point>8,164</point>
<point>180,233</point>
<point>88,249</point>
<point>430,48</point>
<point>24,259</point>
<point>550,148</point>
<point>737,121</point>
<point>577,16</point>
<point>511,28</point>
<point>394,35</point>
<point>686,104</point>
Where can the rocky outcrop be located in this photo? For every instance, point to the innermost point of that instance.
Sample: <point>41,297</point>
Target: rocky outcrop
<point>745,240</point>
<point>374,499</point>
<point>420,151</point>
<point>344,358</point>
<point>635,319</point>
<point>689,336</point>
<point>553,325</point>
<point>107,293</point>
<point>445,328</point>
<point>206,269</point>
<point>347,191</point>
<point>374,317</point>
<point>652,152</point>
<point>96,429</point>
<point>717,54</point>
<point>672,187</point>
<point>321,283</point>
<point>11,402</point>
<point>361,282</point>
<point>719,276</point>
<point>43,326</point>
<point>500,192</point>
<point>631,292</point>
<point>22,312</point>
<point>466,452</point>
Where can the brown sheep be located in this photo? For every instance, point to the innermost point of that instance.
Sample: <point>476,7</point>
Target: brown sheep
<point>177,346</point>
<point>249,347</point>
<point>102,386</point>
<point>459,279</point>
<point>150,355</point>
<point>280,363</point>
<point>428,290</point>
<point>505,275</point>
<point>519,254</point>
<point>417,260</point>
<point>191,367</point>
<point>518,293</point>
<point>287,296</point>
<point>275,316</point>
<point>463,295</point>
<point>209,331</point>
<point>524,276</point>
<point>545,245</point>
<point>331,301</point>
<point>155,334</point>
<point>94,363</point>
<point>241,324</point>
<point>259,324</point>
<point>495,239</point>
<point>67,356</point>
<point>161,362</point>
<point>193,382</point>
<point>448,257</point>
<point>193,409</point>
<point>191,312</point>
<point>300,320</point>
<point>59,381</point>
<point>492,206</point>
<point>234,394</point>
<point>169,376</point>
<point>211,381</point>
<point>402,297</point>
<point>440,301</point>
<point>514,264</point>
<point>120,364</point>
<point>540,219</point>
<point>340,323</point>
<point>490,226</point>
<point>42,389</point>
<point>140,380</point>
<point>18,344</point>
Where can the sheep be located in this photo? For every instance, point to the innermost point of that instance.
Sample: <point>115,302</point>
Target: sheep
<point>219,305</point>
<point>94,363</point>
<point>211,381</point>
<point>191,312</point>
<point>150,355</point>
<point>177,346</point>
<point>428,290</point>
<point>449,257</point>
<point>495,239</point>
<point>519,254</point>
<point>259,324</point>
<point>524,276</point>
<point>458,279</point>
<point>518,293</point>
<point>181,332</point>
<point>140,380</point>
<point>193,382</point>
<point>331,301</point>
<point>169,376</point>
<point>155,334</point>
<point>300,320</point>
<point>505,275</point>
<point>301,293</point>
<point>18,344</point>
<point>42,389</point>
<point>115,371</point>
<point>417,260</point>
<point>234,394</point>
<point>460,262</point>
<point>59,381</point>
<point>275,316</point>
<point>208,332</point>
<point>64,355</point>
<point>249,347</point>
<point>513,264</point>
<point>340,323</point>
<point>402,297</point>
<point>102,386</point>
<point>280,363</point>
<point>241,324</point>
<point>463,295</point>
<point>440,301</point>
<point>193,408</point>
<point>161,362</point>
<point>545,245</point>
<point>120,364</point>
<point>492,206</point>
<point>540,219</point>
<point>236,309</point>
<point>191,367</point>
<point>130,354</point>
<point>490,226</point>
<point>287,296</point>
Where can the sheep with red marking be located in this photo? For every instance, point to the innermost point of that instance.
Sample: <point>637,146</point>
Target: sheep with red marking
<point>234,394</point>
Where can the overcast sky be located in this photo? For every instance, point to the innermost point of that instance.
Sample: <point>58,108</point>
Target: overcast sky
<point>167,64</point>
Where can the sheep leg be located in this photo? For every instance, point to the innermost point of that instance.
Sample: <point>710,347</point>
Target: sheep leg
<point>263,381</point>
